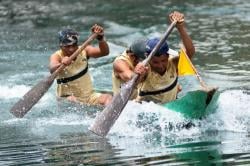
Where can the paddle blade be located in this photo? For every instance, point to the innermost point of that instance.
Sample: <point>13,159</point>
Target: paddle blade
<point>31,97</point>
<point>106,119</point>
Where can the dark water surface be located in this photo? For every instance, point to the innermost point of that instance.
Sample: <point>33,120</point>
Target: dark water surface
<point>52,134</point>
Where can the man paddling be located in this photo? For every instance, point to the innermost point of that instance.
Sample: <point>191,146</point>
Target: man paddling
<point>74,82</point>
<point>127,64</point>
<point>161,83</point>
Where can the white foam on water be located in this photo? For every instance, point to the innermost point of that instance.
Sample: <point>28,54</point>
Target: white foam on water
<point>13,92</point>
<point>117,29</point>
<point>18,91</point>
<point>138,120</point>
<point>55,126</point>
<point>22,77</point>
<point>66,120</point>
<point>232,114</point>
<point>14,121</point>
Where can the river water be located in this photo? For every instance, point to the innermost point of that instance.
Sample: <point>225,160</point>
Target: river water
<point>53,134</point>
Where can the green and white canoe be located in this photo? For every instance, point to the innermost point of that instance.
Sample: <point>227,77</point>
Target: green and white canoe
<point>193,105</point>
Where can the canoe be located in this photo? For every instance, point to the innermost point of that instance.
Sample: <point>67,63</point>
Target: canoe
<point>193,105</point>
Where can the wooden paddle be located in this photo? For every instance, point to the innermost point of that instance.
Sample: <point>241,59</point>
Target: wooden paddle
<point>34,95</point>
<point>105,120</point>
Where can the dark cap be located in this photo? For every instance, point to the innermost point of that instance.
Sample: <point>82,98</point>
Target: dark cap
<point>151,43</point>
<point>68,37</point>
<point>138,47</point>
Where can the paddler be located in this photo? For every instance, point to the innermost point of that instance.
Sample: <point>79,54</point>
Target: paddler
<point>129,63</point>
<point>161,82</point>
<point>74,82</point>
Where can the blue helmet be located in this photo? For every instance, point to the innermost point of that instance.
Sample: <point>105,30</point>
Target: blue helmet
<point>151,43</point>
<point>68,37</point>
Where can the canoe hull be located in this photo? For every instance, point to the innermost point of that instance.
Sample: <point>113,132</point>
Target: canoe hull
<point>195,104</point>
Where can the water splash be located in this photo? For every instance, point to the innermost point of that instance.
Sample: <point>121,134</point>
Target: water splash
<point>138,120</point>
<point>13,92</point>
<point>233,113</point>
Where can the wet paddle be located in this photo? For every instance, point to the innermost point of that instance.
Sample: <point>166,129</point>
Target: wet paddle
<point>105,120</point>
<point>35,94</point>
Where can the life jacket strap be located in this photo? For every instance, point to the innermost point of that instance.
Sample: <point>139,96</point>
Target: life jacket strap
<point>166,89</point>
<point>72,78</point>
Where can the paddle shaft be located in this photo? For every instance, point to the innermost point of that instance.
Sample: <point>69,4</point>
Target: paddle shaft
<point>162,40</point>
<point>35,94</point>
<point>209,90</point>
<point>106,119</point>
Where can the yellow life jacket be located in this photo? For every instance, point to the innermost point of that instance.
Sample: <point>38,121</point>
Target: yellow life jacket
<point>160,88</point>
<point>75,79</point>
<point>117,82</point>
